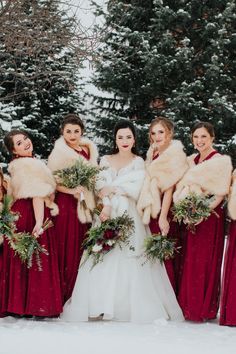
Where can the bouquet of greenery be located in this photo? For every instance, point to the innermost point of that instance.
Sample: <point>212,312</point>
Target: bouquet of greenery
<point>192,209</point>
<point>7,218</point>
<point>80,174</point>
<point>24,244</point>
<point>101,239</point>
<point>159,247</point>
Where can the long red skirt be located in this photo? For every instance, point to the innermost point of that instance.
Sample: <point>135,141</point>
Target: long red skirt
<point>199,287</point>
<point>30,291</point>
<point>170,263</point>
<point>70,235</point>
<point>228,299</point>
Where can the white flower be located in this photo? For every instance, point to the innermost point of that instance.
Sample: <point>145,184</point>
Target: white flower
<point>96,248</point>
<point>110,242</point>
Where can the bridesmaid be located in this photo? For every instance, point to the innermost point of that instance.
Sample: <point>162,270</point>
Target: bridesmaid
<point>228,305</point>
<point>209,174</point>
<point>72,222</point>
<point>165,164</point>
<point>28,291</point>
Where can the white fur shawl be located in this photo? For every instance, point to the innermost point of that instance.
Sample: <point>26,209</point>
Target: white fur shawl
<point>30,178</point>
<point>128,185</point>
<point>232,198</point>
<point>62,156</point>
<point>161,174</point>
<point>210,177</point>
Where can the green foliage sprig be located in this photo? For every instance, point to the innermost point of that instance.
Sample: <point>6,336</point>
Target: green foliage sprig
<point>80,174</point>
<point>24,244</point>
<point>103,238</point>
<point>192,209</point>
<point>159,247</point>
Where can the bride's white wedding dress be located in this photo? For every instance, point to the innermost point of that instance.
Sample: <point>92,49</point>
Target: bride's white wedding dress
<point>122,287</point>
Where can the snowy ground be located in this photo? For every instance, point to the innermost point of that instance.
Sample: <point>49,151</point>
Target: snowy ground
<point>37,337</point>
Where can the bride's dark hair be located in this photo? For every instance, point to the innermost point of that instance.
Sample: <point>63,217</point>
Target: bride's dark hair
<point>123,124</point>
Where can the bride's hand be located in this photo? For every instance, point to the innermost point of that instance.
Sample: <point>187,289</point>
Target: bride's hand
<point>105,213</point>
<point>105,191</point>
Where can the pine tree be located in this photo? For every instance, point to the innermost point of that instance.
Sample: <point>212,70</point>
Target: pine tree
<point>39,80</point>
<point>175,58</point>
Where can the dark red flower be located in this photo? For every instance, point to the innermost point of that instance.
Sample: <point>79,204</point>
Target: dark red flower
<point>108,234</point>
<point>106,247</point>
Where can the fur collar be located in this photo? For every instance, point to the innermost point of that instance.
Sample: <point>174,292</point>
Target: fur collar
<point>62,156</point>
<point>232,198</point>
<point>169,167</point>
<point>30,178</point>
<point>208,177</point>
<point>161,174</point>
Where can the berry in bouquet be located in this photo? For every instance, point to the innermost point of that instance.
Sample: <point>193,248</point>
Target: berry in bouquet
<point>103,238</point>
<point>192,210</point>
<point>159,247</point>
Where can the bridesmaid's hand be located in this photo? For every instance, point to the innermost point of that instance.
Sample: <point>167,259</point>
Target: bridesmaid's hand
<point>105,213</point>
<point>77,190</point>
<point>164,225</point>
<point>37,230</point>
<point>199,222</point>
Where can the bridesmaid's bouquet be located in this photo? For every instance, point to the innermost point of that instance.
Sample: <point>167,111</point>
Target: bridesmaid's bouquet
<point>159,247</point>
<point>192,209</point>
<point>80,174</point>
<point>24,244</point>
<point>7,218</point>
<point>103,238</point>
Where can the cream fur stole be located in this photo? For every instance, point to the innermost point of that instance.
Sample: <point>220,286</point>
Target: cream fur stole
<point>232,198</point>
<point>30,177</point>
<point>62,156</point>
<point>212,176</point>
<point>161,174</point>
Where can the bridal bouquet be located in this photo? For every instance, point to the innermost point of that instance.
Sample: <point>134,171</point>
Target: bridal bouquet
<point>102,239</point>
<point>80,174</point>
<point>192,209</point>
<point>24,244</point>
<point>159,247</point>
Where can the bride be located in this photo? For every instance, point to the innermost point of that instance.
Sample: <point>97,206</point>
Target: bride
<point>122,288</point>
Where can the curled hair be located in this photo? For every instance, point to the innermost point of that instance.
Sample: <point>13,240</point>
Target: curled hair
<point>165,122</point>
<point>74,119</point>
<point>8,139</point>
<point>208,126</point>
<point>123,124</point>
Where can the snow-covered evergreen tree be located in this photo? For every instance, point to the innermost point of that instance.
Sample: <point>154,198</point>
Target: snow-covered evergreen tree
<point>39,80</point>
<point>171,57</point>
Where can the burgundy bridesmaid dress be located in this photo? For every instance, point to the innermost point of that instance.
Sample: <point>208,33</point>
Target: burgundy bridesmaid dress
<point>70,233</point>
<point>155,229</point>
<point>228,303</point>
<point>30,291</point>
<point>199,286</point>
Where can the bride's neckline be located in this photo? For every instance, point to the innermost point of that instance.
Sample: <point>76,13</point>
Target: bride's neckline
<point>120,169</point>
